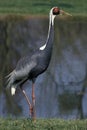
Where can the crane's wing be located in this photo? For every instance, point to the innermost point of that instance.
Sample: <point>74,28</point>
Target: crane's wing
<point>21,72</point>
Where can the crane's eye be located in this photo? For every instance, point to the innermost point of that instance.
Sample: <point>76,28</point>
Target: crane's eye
<point>56,11</point>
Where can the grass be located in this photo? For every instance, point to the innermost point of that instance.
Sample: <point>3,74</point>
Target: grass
<point>75,7</point>
<point>42,124</point>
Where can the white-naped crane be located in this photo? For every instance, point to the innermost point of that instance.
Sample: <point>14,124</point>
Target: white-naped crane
<point>28,68</point>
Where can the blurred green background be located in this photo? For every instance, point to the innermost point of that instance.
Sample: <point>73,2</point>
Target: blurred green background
<point>76,7</point>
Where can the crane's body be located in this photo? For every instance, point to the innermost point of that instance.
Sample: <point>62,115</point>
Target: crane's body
<point>28,68</point>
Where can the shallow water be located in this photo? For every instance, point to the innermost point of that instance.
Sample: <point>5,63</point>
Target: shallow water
<point>62,90</point>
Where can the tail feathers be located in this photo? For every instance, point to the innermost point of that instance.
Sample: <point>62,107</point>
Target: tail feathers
<point>10,79</point>
<point>10,82</point>
<point>13,90</point>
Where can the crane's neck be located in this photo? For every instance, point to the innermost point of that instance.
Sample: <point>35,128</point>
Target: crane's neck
<point>50,37</point>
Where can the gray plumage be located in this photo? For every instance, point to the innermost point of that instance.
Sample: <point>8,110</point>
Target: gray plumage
<point>28,68</point>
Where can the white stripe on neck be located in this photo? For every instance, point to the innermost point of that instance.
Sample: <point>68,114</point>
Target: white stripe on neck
<point>43,47</point>
<point>51,17</point>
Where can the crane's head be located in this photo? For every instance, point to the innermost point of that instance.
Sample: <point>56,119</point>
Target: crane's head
<point>56,11</point>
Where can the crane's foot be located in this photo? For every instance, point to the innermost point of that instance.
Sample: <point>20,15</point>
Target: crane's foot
<point>31,111</point>
<point>32,114</point>
<point>31,106</point>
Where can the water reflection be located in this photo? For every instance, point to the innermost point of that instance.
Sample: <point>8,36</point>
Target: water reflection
<point>62,90</point>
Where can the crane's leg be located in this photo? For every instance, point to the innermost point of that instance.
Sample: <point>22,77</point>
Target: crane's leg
<point>33,103</point>
<point>28,101</point>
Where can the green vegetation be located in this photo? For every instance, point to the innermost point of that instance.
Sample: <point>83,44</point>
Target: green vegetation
<point>75,7</point>
<point>42,124</point>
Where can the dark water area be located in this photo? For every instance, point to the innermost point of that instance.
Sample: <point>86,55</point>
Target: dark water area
<point>62,90</point>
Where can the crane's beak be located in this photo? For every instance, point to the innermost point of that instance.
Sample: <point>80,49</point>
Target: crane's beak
<point>64,13</point>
